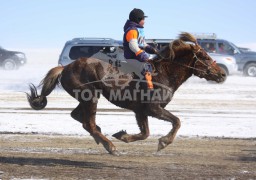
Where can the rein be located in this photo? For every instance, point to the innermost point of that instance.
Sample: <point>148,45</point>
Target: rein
<point>192,67</point>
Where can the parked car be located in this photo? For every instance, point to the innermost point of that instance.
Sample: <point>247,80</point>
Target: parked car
<point>245,59</point>
<point>85,47</point>
<point>226,62</point>
<point>11,60</point>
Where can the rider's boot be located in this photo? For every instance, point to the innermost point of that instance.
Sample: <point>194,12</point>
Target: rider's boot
<point>148,78</point>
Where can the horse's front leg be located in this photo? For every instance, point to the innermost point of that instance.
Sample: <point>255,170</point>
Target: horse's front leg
<point>142,121</point>
<point>160,113</point>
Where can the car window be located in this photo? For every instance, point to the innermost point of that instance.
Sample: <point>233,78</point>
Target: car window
<point>153,44</point>
<point>108,49</point>
<point>83,51</point>
<point>161,45</point>
<point>225,48</point>
<point>158,45</point>
<point>209,46</point>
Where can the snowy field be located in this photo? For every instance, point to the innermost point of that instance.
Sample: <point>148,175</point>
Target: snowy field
<point>205,109</point>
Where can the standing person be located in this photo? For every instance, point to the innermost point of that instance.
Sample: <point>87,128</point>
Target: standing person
<point>134,43</point>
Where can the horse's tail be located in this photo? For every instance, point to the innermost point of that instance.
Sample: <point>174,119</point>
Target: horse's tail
<point>50,81</point>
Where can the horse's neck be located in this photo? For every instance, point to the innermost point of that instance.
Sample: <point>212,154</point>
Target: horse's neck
<point>180,76</point>
<point>175,75</point>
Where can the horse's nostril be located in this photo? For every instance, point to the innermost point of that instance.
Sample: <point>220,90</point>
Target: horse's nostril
<point>224,75</point>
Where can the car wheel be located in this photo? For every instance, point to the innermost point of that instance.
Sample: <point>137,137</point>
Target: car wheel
<point>9,65</point>
<point>250,70</point>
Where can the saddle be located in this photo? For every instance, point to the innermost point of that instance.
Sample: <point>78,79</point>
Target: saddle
<point>117,60</point>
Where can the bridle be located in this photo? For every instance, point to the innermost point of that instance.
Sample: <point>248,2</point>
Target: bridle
<point>197,60</point>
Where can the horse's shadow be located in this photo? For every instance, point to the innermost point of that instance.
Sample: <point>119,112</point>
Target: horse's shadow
<point>55,162</point>
<point>249,157</point>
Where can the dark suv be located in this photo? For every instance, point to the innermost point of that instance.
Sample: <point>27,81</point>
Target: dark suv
<point>245,59</point>
<point>11,60</point>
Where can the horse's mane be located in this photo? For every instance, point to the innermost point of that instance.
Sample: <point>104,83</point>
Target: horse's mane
<point>176,48</point>
<point>182,43</point>
<point>187,37</point>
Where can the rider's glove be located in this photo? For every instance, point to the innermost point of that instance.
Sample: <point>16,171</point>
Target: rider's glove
<point>142,57</point>
<point>151,50</point>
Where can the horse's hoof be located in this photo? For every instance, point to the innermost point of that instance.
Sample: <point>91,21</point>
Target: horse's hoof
<point>119,134</point>
<point>161,146</point>
<point>115,153</point>
<point>122,136</point>
<point>162,143</point>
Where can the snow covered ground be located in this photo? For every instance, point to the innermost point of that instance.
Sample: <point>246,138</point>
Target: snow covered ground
<point>205,109</point>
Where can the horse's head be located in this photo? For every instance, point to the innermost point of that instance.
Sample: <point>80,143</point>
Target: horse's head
<point>187,53</point>
<point>205,67</point>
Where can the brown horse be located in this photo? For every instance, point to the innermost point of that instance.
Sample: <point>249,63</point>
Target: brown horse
<point>83,80</point>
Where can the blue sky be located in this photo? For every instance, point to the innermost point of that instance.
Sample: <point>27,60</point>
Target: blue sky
<point>50,23</point>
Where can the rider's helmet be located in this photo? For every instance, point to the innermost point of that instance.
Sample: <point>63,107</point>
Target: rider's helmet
<point>136,15</point>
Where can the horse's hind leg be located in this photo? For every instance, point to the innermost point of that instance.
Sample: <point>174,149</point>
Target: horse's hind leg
<point>77,114</point>
<point>89,109</point>
<point>142,121</point>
